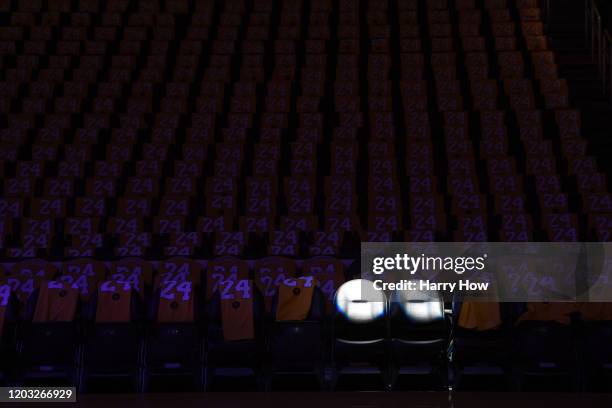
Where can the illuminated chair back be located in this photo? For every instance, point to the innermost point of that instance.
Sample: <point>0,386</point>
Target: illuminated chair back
<point>360,331</point>
<point>418,318</point>
<point>360,313</point>
<point>419,335</point>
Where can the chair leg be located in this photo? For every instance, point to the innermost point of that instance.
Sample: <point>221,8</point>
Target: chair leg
<point>200,375</point>
<point>454,376</point>
<point>389,369</point>
<point>391,376</point>
<point>266,374</point>
<point>82,381</point>
<point>76,375</point>
<point>141,369</point>
<point>146,381</point>
<point>206,373</point>
<point>443,372</point>
<point>264,381</point>
<point>200,378</point>
<point>333,378</point>
<point>517,378</point>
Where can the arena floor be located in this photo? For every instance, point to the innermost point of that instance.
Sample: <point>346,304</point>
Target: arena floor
<point>344,400</point>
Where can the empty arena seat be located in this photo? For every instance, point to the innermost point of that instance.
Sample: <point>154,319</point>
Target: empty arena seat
<point>114,333</point>
<point>419,334</point>
<point>481,341</point>
<point>544,342</point>
<point>359,330</point>
<point>597,358</point>
<point>174,343</point>
<point>296,333</point>
<point>235,331</point>
<point>51,323</point>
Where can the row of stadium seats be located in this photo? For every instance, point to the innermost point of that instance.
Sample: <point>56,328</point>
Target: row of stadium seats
<point>145,277</point>
<point>113,324</point>
<point>82,326</point>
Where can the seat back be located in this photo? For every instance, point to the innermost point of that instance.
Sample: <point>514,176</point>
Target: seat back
<point>360,313</point>
<point>8,310</point>
<point>417,317</point>
<point>173,336</point>
<point>269,275</point>
<point>56,302</point>
<point>224,270</point>
<point>329,273</point>
<point>235,312</point>
<point>478,316</point>
<point>175,302</point>
<point>178,270</point>
<point>136,272</point>
<point>235,328</point>
<point>85,274</point>
<point>298,300</point>
<point>298,309</point>
<point>113,302</point>
<point>26,276</point>
<point>543,336</point>
<point>114,337</point>
<point>50,324</point>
